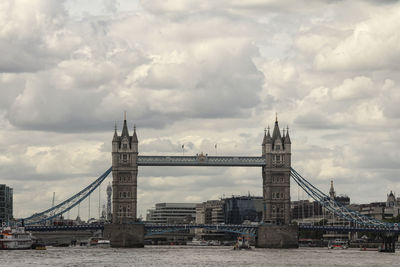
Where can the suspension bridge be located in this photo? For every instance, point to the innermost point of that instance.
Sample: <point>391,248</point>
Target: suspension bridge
<point>357,221</point>
<point>277,173</point>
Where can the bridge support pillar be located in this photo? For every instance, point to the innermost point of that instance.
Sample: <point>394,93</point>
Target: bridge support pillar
<point>125,235</point>
<point>277,236</point>
<point>389,243</point>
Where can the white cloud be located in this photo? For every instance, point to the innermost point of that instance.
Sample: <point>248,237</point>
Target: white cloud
<point>352,89</point>
<point>373,44</point>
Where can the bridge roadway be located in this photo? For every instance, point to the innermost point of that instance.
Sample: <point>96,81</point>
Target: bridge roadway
<point>201,160</point>
<point>148,227</point>
<point>241,228</point>
<point>344,228</point>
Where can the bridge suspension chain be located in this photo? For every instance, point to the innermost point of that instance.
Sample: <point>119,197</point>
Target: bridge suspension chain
<point>335,207</point>
<point>66,205</point>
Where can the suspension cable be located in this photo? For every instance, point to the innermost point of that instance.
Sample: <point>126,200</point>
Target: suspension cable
<point>67,204</point>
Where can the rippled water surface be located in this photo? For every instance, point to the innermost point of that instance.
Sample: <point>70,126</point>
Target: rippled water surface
<point>196,256</point>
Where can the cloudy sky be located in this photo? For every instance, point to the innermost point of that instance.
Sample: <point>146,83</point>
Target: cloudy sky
<point>197,73</point>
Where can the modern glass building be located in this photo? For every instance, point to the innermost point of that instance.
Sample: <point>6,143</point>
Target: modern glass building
<point>6,203</point>
<point>239,209</point>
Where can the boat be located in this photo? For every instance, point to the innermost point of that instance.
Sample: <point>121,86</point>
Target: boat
<point>214,243</point>
<point>368,249</point>
<point>242,243</point>
<point>15,238</point>
<point>342,244</point>
<point>197,242</point>
<point>98,242</point>
<point>38,246</point>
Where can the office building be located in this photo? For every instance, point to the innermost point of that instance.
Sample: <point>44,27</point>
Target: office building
<point>6,203</point>
<point>172,213</point>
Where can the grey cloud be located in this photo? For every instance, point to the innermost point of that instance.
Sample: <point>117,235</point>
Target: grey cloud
<point>33,38</point>
<point>69,96</point>
<point>111,5</point>
<point>180,171</point>
<point>315,121</point>
<point>165,145</point>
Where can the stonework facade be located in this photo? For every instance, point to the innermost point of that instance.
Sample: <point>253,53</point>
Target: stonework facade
<point>124,171</point>
<point>276,176</point>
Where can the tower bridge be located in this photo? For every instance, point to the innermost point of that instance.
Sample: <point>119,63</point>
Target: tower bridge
<point>275,162</point>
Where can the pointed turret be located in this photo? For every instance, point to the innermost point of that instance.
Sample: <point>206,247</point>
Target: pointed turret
<point>265,137</point>
<point>267,141</point>
<point>134,137</point>
<point>125,128</point>
<point>276,134</point>
<point>287,137</point>
<point>268,138</point>
<point>115,138</point>
<point>332,191</point>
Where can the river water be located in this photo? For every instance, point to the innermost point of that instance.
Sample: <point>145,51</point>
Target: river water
<point>196,256</point>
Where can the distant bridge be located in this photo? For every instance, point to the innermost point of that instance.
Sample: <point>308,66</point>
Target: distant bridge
<point>155,229</point>
<point>243,229</point>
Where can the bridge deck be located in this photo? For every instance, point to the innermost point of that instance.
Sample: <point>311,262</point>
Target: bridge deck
<point>241,227</point>
<point>201,160</point>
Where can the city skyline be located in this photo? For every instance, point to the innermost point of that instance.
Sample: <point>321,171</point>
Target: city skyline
<point>198,73</point>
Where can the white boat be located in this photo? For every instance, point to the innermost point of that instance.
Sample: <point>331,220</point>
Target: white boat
<point>215,243</point>
<point>98,242</point>
<point>197,242</point>
<point>15,238</point>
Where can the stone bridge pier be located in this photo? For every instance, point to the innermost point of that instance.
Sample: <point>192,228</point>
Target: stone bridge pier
<point>389,242</point>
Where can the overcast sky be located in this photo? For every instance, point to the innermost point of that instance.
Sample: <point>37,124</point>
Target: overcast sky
<point>198,73</point>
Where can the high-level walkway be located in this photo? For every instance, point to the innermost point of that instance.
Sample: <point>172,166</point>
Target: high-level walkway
<point>201,160</point>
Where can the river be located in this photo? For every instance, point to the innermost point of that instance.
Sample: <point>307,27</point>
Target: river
<point>195,256</point>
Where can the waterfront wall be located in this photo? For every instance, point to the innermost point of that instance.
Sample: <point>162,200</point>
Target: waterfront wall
<point>125,235</point>
<point>277,236</point>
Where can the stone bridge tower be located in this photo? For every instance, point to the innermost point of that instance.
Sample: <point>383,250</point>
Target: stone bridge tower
<point>277,231</point>
<point>124,172</point>
<point>276,176</point>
